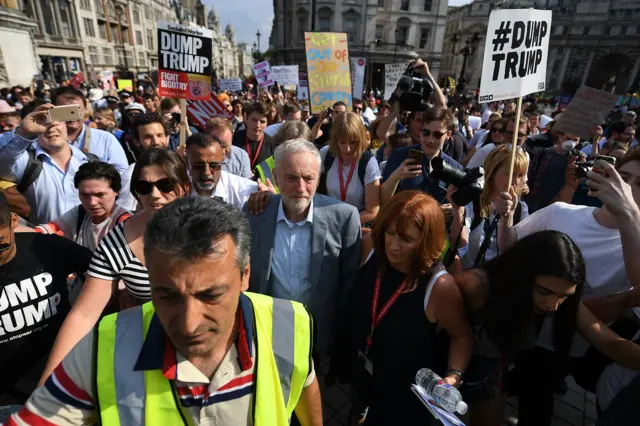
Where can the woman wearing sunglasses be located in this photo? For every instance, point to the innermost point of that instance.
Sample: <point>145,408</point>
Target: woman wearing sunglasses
<point>159,177</point>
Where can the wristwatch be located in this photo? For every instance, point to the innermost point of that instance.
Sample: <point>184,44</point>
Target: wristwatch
<point>455,372</point>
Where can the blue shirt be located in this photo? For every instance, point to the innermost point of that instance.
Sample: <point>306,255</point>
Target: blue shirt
<point>174,140</point>
<point>53,193</point>
<point>103,145</point>
<point>291,260</point>
<point>237,163</point>
<point>437,189</point>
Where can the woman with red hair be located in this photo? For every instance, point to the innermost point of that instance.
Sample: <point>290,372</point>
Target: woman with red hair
<point>401,295</point>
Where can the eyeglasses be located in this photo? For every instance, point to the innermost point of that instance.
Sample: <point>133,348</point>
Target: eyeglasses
<point>143,187</point>
<point>427,132</point>
<point>357,109</point>
<point>201,167</point>
<point>497,130</point>
<point>510,135</point>
<point>227,105</point>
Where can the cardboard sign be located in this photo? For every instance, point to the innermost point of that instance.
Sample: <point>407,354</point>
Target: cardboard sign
<point>201,111</point>
<point>184,61</point>
<point>262,71</point>
<point>328,67</point>
<point>107,80</point>
<point>230,84</point>
<point>285,75</point>
<point>357,77</point>
<point>125,85</point>
<point>303,90</point>
<point>515,54</point>
<point>392,74</point>
<point>588,108</point>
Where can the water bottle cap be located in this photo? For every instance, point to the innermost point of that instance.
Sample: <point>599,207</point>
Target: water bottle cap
<point>461,407</point>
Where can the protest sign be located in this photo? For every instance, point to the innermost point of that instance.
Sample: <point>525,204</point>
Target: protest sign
<point>515,54</point>
<point>392,74</point>
<point>328,67</point>
<point>201,111</point>
<point>357,76</point>
<point>588,108</point>
<point>262,71</point>
<point>107,80</point>
<point>77,80</point>
<point>563,102</point>
<point>231,84</point>
<point>285,75</point>
<point>184,61</point>
<point>125,85</point>
<point>303,90</point>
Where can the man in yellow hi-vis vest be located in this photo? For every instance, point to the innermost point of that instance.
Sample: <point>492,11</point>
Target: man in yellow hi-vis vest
<point>204,351</point>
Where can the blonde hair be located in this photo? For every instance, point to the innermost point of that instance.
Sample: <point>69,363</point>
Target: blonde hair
<point>348,127</point>
<point>107,113</point>
<point>498,158</point>
<point>218,123</point>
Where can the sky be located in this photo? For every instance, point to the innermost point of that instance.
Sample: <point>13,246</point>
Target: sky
<point>248,16</point>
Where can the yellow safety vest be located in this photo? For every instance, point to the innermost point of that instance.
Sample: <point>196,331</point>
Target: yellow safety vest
<point>265,171</point>
<point>283,333</point>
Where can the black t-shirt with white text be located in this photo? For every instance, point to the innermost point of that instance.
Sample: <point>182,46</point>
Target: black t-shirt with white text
<point>34,302</point>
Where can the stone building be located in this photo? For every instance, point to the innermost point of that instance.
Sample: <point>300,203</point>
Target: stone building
<point>18,59</point>
<point>381,31</point>
<point>593,42</point>
<point>245,60</point>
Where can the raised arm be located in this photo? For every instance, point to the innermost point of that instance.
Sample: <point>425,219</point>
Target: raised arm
<point>437,97</point>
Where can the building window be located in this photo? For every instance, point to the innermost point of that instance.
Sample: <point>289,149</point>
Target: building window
<point>154,63</point>
<point>98,5</point>
<point>108,56</point>
<point>147,12</point>
<point>93,54</point>
<point>139,37</point>
<point>379,31</point>
<point>428,4</point>
<point>607,30</point>
<point>324,19</point>
<point>623,30</point>
<point>401,35</point>
<point>150,39</point>
<point>136,15</point>
<point>125,35</point>
<point>302,26</point>
<point>404,5</point>
<point>89,29</point>
<point>142,60</point>
<point>65,19</point>
<point>121,58</point>
<point>351,28</point>
<point>380,3</point>
<point>424,38</point>
<point>102,30</point>
<point>85,4</point>
<point>585,31</point>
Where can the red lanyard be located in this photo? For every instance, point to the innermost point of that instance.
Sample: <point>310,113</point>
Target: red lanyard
<point>254,159</point>
<point>375,319</point>
<point>343,187</point>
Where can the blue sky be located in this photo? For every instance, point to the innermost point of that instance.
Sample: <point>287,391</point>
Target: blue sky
<point>248,16</point>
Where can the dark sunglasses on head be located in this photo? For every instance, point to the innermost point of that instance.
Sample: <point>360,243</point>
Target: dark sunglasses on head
<point>427,132</point>
<point>143,187</point>
<point>497,130</point>
<point>202,166</point>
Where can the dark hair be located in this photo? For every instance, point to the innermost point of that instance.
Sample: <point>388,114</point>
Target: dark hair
<point>339,103</point>
<point>290,107</point>
<point>30,107</point>
<point>258,107</point>
<point>419,111</point>
<point>236,102</point>
<point>168,161</point>
<point>145,119</point>
<point>148,96</point>
<point>632,155</point>
<point>399,140</point>
<point>168,103</point>
<point>509,307</point>
<point>203,140</point>
<point>618,127</point>
<point>356,101</point>
<point>67,91</point>
<point>190,228</point>
<point>5,210</point>
<point>98,170</point>
<point>438,114</point>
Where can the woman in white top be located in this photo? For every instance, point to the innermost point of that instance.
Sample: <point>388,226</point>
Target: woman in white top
<point>480,220</point>
<point>342,177</point>
<point>159,177</point>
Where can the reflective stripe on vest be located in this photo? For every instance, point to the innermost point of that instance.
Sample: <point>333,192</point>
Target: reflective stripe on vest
<point>280,372</point>
<point>265,171</point>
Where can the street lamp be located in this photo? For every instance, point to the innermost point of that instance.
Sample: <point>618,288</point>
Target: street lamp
<point>119,9</point>
<point>395,49</point>
<point>469,49</point>
<point>258,36</point>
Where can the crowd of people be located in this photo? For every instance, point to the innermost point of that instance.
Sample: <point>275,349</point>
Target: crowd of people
<point>147,279</point>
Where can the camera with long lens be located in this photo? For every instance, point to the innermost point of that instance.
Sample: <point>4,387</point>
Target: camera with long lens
<point>583,168</point>
<point>415,88</point>
<point>465,180</point>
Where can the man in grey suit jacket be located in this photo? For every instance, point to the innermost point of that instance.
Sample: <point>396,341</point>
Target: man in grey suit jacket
<point>305,246</point>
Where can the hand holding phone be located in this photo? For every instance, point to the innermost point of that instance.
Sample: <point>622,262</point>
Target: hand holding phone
<point>65,113</point>
<point>416,155</point>
<point>598,166</point>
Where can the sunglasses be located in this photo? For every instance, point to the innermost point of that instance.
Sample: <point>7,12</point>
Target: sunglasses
<point>427,132</point>
<point>520,134</point>
<point>357,109</point>
<point>497,130</point>
<point>143,187</point>
<point>201,167</point>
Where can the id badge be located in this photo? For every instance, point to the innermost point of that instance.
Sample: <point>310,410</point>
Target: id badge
<point>368,365</point>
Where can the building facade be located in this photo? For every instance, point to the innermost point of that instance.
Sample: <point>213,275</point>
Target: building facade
<point>593,42</point>
<point>225,50</point>
<point>18,58</point>
<point>380,31</point>
<point>245,60</point>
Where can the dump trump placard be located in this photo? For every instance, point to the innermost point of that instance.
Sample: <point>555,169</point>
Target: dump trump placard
<point>184,61</point>
<point>328,69</point>
<point>515,54</point>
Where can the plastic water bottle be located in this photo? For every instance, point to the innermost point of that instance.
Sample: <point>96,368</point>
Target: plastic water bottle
<point>445,395</point>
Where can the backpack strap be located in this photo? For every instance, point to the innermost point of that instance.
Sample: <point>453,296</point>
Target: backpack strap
<point>87,139</point>
<point>82,213</point>
<point>477,218</point>
<point>124,216</point>
<point>326,165</point>
<point>31,172</point>
<point>362,165</point>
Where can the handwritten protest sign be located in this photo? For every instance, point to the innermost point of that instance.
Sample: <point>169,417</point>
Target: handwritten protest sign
<point>588,108</point>
<point>184,61</point>
<point>392,74</point>
<point>328,67</point>
<point>231,84</point>
<point>107,80</point>
<point>285,75</point>
<point>515,54</point>
<point>262,72</point>
<point>303,90</point>
<point>357,76</point>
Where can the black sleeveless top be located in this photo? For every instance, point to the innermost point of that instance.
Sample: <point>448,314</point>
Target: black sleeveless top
<point>403,342</point>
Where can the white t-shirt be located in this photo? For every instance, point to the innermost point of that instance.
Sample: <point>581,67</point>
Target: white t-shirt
<point>601,249</point>
<point>482,153</point>
<point>126,198</point>
<point>612,380</point>
<point>273,129</point>
<point>234,190</point>
<point>90,233</point>
<point>355,190</point>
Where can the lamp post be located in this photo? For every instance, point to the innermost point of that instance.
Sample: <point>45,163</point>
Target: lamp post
<point>395,49</point>
<point>258,37</point>
<point>469,49</point>
<point>119,9</point>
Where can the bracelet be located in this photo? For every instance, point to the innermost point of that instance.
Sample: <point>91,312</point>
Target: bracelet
<point>453,371</point>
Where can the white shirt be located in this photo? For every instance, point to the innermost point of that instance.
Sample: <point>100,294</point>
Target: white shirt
<point>601,249</point>
<point>612,380</point>
<point>273,129</point>
<point>355,190</point>
<point>485,115</point>
<point>234,190</point>
<point>126,198</point>
<point>483,152</point>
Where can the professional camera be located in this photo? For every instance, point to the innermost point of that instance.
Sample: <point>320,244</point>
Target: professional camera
<point>583,168</point>
<point>415,89</point>
<point>465,180</point>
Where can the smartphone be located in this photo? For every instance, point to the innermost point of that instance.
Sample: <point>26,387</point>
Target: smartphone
<point>597,163</point>
<point>416,155</point>
<point>65,113</point>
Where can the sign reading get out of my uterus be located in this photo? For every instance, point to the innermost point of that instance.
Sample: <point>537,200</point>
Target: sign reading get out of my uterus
<point>328,70</point>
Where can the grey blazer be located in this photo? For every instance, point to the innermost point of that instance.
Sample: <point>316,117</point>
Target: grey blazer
<point>335,258</point>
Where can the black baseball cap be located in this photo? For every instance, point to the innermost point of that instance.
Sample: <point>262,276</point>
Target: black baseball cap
<point>112,99</point>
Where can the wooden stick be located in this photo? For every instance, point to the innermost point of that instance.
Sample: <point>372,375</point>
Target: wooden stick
<point>514,148</point>
<point>183,114</point>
